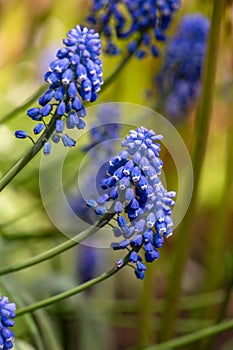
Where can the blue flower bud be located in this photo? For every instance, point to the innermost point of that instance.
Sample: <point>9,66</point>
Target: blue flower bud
<point>121,221</point>
<point>38,128</point>
<point>34,113</point>
<point>46,98</point>
<point>139,274</point>
<point>151,255</point>
<point>59,93</point>
<point>91,203</point>
<point>59,126</point>
<point>103,198</point>
<point>67,76</point>
<point>56,138</point>
<point>61,108</point>
<point>133,257</point>
<point>21,134</point>
<point>45,111</point>
<point>47,148</point>
<point>68,141</point>
<point>72,90</point>
<point>158,240</point>
<point>118,207</point>
<point>100,211</point>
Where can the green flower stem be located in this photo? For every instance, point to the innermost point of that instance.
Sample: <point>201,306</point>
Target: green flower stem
<point>193,337</point>
<point>24,106</point>
<point>199,147</point>
<point>216,239</point>
<point>73,291</point>
<point>145,329</point>
<point>216,271</point>
<point>59,248</point>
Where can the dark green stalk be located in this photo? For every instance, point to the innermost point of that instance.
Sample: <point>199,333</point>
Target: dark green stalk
<point>193,337</point>
<point>73,291</point>
<point>216,271</point>
<point>199,147</point>
<point>59,248</point>
<point>217,234</point>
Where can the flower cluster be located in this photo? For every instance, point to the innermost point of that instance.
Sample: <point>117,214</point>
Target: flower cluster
<point>74,76</point>
<point>140,202</point>
<point>140,21</point>
<point>7,312</point>
<point>179,81</point>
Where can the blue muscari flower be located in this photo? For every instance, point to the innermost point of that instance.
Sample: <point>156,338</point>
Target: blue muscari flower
<point>74,77</point>
<point>179,80</point>
<point>144,21</point>
<point>7,312</point>
<point>142,207</point>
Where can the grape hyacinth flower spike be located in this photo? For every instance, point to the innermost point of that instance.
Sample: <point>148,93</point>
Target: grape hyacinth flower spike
<point>142,23</point>
<point>179,80</point>
<point>7,312</point>
<point>142,206</point>
<point>74,77</point>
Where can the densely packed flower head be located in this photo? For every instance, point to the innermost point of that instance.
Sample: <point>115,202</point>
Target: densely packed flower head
<point>179,81</point>
<point>75,76</point>
<point>139,21</point>
<point>140,202</point>
<point>7,312</point>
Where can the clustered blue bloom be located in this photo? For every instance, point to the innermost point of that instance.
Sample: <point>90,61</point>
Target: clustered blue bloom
<point>140,202</point>
<point>140,21</point>
<point>7,312</point>
<point>179,80</point>
<point>75,76</point>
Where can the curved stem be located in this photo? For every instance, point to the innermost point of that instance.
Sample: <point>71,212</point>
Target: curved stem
<point>24,106</point>
<point>193,337</point>
<point>73,291</point>
<point>215,271</point>
<point>199,147</point>
<point>58,249</point>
